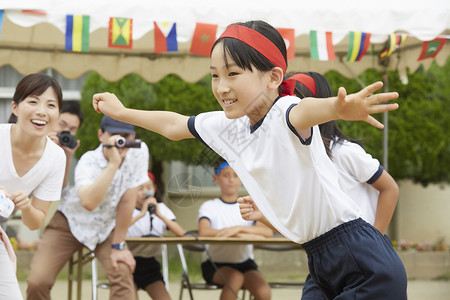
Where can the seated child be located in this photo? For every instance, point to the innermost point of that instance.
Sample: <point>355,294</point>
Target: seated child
<point>150,218</point>
<point>231,266</point>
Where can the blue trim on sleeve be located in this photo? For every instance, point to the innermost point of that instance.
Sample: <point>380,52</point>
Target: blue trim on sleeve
<point>376,175</point>
<point>291,127</point>
<point>204,218</point>
<point>191,127</point>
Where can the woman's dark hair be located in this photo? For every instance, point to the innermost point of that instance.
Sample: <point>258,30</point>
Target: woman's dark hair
<point>244,55</point>
<point>35,85</point>
<point>330,131</point>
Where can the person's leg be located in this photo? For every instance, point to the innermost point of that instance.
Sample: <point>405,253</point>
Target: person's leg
<point>120,281</point>
<point>231,279</point>
<point>157,290</point>
<point>311,291</point>
<point>9,287</point>
<point>255,283</point>
<point>55,249</point>
<point>148,277</point>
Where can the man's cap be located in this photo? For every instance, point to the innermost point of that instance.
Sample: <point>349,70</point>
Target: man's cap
<point>113,126</point>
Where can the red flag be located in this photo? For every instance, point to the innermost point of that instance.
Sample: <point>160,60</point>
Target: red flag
<point>34,12</point>
<point>288,35</point>
<point>203,39</point>
<point>431,48</point>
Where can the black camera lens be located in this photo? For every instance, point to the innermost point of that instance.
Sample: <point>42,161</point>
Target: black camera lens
<point>152,208</point>
<point>66,139</point>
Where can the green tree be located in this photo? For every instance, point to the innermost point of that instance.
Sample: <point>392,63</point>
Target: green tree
<point>419,146</point>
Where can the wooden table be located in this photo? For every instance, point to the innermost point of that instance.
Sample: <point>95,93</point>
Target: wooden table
<point>190,240</point>
<point>140,246</point>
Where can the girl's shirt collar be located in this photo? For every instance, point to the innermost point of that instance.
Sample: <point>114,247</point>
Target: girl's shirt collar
<point>254,127</point>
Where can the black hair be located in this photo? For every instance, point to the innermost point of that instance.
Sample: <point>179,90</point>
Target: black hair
<point>35,85</point>
<point>330,131</point>
<point>73,107</point>
<point>244,55</point>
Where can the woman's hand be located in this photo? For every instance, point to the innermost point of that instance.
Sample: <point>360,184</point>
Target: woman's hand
<point>21,200</point>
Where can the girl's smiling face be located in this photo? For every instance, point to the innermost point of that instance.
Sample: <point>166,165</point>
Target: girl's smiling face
<point>240,92</point>
<point>37,114</point>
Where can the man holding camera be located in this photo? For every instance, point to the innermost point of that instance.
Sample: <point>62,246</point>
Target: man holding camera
<point>64,133</point>
<point>96,213</point>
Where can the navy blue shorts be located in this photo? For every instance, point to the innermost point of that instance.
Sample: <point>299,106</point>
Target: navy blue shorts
<point>148,271</point>
<point>356,261</point>
<point>311,291</point>
<point>208,268</point>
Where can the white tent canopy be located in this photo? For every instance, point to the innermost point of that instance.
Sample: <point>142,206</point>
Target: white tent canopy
<point>32,43</point>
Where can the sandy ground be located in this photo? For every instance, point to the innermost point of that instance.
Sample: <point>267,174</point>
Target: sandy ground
<point>417,290</point>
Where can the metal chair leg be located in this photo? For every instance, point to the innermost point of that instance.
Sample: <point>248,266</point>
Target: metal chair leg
<point>94,276</point>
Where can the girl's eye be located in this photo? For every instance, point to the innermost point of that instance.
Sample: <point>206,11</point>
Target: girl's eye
<point>52,105</point>
<point>233,74</point>
<point>214,76</point>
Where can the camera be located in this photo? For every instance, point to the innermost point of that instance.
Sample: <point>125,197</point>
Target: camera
<point>122,142</point>
<point>66,139</point>
<point>151,206</point>
<point>6,207</point>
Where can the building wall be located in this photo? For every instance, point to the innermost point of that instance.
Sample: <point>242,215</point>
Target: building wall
<point>423,213</point>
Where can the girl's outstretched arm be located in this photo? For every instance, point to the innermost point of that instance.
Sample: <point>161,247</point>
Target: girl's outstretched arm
<point>169,124</point>
<point>353,107</point>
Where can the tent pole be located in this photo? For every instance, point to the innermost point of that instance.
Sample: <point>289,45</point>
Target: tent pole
<point>393,226</point>
<point>386,124</point>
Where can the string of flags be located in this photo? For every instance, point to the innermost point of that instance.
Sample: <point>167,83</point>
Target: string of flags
<point>120,32</point>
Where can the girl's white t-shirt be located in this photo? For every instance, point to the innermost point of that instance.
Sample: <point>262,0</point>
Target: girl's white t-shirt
<point>44,179</point>
<point>223,215</point>
<point>292,181</point>
<point>357,170</point>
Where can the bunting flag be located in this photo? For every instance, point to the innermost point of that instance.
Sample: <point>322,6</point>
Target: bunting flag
<point>120,33</point>
<point>431,48</point>
<point>34,12</point>
<point>288,35</point>
<point>203,39</point>
<point>77,33</point>
<point>357,46</point>
<point>393,42</point>
<point>2,12</point>
<point>321,44</point>
<point>165,37</point>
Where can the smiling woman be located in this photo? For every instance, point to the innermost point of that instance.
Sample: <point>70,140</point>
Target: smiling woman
<point>31,163</point>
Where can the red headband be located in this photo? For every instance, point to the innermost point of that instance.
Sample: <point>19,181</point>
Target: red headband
<point>306,80</point>
<point>258,42</point>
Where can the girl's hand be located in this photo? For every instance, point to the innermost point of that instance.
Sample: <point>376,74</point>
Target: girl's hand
<point>108,104</point>
<point>359,106</point>
<point>21,200</point>
<point>249,210</point>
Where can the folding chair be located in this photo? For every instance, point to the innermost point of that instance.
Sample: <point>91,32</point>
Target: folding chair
<point>281,248</point>
<point>79,259</point>
<point>185,281</point>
